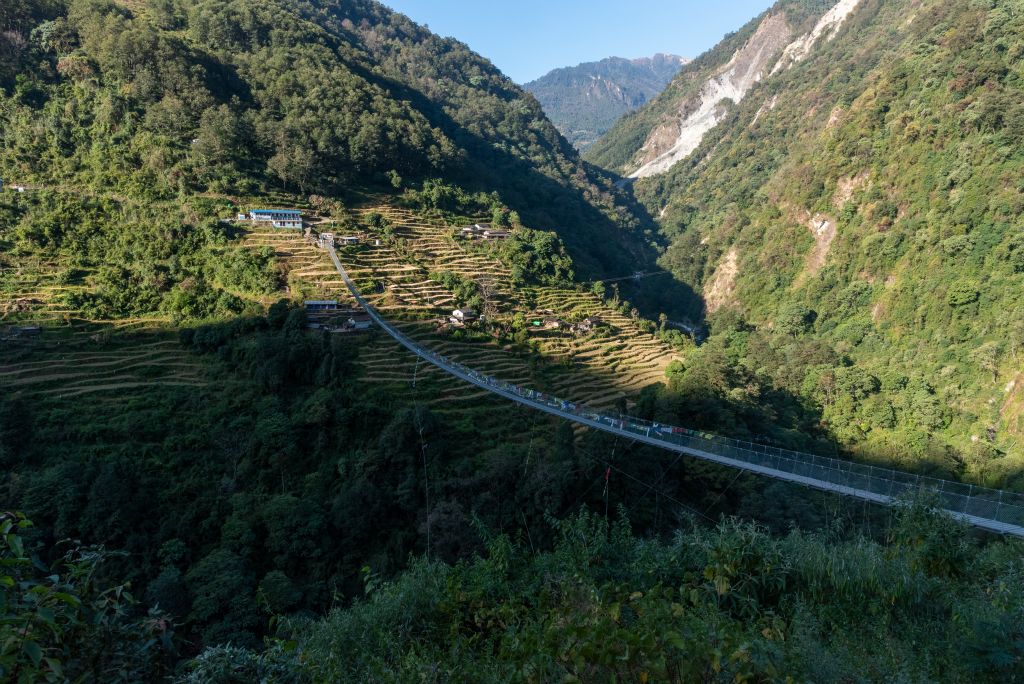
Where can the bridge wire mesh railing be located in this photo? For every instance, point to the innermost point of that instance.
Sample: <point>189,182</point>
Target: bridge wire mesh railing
<point>881,484</point>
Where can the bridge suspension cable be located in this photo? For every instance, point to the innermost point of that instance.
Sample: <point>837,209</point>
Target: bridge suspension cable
<point>990,509</point>
<point>638,275</point>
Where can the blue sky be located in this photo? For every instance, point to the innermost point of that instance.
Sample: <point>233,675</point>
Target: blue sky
<point>528,38</point>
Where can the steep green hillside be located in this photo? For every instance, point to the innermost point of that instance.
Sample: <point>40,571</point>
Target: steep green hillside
<point>586,100</point>
<point>175,408</point>
<point>171,97</point>
<point>861,210</point>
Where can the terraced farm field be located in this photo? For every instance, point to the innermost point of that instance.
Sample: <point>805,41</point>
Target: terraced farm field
<point>32,291</point>
<point>386,369</point>
<point>602,369</point>
<point>69,356</point>
<point>74,357</point>
<point>394,275</point>
<point>70,367</point>
<point>306,270</point>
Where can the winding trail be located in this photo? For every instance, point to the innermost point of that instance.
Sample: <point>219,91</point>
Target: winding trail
<point>990,509</point>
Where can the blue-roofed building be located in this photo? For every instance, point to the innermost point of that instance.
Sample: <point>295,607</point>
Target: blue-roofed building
<point>279,218</point>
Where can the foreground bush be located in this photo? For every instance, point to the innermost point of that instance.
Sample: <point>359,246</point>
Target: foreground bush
<point>724,604</point>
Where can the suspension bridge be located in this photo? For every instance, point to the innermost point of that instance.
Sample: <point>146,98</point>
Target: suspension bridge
<point>994,510</point>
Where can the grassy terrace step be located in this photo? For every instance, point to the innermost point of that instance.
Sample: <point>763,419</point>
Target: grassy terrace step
<point>456,398</point>
<point>91,361</point>
<point>122,386</point>
<point>70,384</point>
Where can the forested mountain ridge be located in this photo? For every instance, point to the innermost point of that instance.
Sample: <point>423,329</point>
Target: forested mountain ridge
<point>861,209</point>
<point>309,96</point>
<point>586,100</point>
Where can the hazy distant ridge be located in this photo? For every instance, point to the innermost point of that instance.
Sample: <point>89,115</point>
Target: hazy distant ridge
<point>585,101</point>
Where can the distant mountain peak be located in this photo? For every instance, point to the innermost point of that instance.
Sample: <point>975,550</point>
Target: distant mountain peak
<point>586,100</point>
<point>659,57</point>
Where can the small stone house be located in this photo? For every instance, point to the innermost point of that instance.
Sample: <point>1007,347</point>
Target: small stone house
<point>475,230</point>
<point>461,317</point>
<point>587,325</point>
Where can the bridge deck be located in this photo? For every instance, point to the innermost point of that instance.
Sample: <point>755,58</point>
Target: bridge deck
<point>989,509</point>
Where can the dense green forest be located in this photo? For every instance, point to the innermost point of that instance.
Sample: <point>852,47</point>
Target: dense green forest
<point>62,620</point>
<point>727,603</point>
<point>860,213</point>
<point>264,490</point>
<point>268,490</point>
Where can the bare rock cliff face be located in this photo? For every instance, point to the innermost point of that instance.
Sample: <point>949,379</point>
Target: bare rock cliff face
<point>772,49</point>
<point>675,140</point>
<point>828,26</point>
